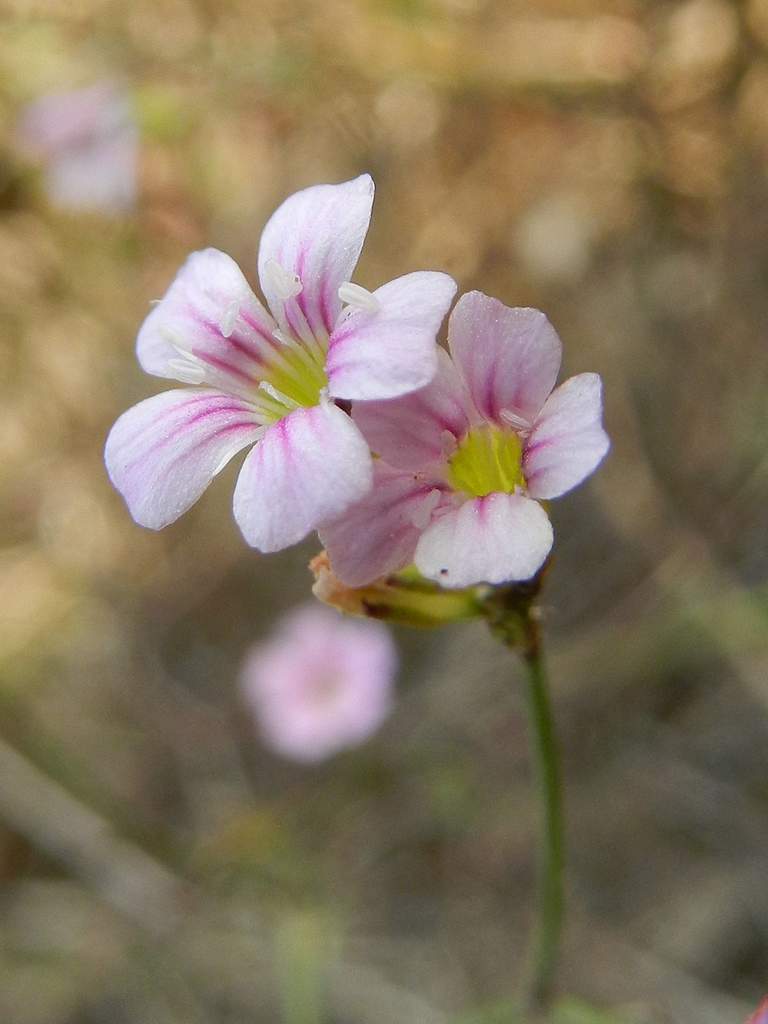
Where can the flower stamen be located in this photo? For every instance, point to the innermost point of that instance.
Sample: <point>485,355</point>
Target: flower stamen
<point>189,368</point>
<point>277,396</point>
<point>228,318</point>
<point>282,281</point>
<point>515,419</point>
<point>187,371</point>
<point>357,297</point>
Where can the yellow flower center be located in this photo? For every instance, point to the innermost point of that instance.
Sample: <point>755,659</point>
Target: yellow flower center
<point>488,460</point>
<point>298,375</point>
<point>295,379</point>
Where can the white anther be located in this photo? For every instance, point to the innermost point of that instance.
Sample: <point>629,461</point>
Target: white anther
<point>358,297</point>
<point>175,340</point>
<point>229,317</point>
<point>189,368</point>
<point>184,352</point>
<point>186,371</point>
<point>278,396</point>
<point>282,281</point>
<point>515,420</point>
<point>324,399</point>
<point>422,514</point>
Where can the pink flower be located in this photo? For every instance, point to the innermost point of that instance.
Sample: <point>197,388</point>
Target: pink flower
<point>270,377</point>
<point>466,460</point>
<point>760,1016</point>
<point>321,684</point>
<point>88,141</point>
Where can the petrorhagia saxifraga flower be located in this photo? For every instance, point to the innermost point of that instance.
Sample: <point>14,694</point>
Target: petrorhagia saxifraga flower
<point>88,143</point>
<point>321,684</point>
<point>269,378</point>
<point>465,461</point>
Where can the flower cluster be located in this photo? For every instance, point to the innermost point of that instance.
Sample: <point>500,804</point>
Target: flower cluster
<point>443,461</point>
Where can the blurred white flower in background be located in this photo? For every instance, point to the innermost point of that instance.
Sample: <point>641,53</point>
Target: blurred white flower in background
<point>321,683</point>
<point>87,141</point>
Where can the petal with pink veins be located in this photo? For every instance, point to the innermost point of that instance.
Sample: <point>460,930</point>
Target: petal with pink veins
<point>378,535</point>
<point>391,349</point>
<point>162,454</point>
<point>568,441</point>
<point>509,357</point>
<point>209,327</point>
<point>308,469</point>
<point>316,235</point>
<point>420,429</point>
<point>494,539</point>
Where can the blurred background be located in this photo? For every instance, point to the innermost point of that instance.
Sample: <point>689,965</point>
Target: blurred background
<point>604,160</point>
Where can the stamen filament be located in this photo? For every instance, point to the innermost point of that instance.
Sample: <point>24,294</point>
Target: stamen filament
<point>186,371</point>
<point>278,396</point>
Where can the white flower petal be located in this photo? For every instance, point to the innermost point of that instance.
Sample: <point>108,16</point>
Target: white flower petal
<point>390,351</point>
<point>494,539</point>
<point>162,454</point>
<point>315,236</point>
<point>420,429</point>
<point>568,441</point>
<point>209,318</point>
<point>378,535</point>
<point>509,357</point>
<point>308,469</point>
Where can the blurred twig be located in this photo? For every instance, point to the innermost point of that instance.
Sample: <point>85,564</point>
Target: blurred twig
<point>126,877</point>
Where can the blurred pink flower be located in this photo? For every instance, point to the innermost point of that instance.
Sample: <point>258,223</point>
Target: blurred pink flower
<point>87,141</point>
<point>465,462</point>
<point>760,1016</point>
<point>322,683</point>
<point>271,377</point>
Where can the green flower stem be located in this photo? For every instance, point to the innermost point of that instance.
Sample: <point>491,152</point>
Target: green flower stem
<point>545,939</point>
<point>513,616</point>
